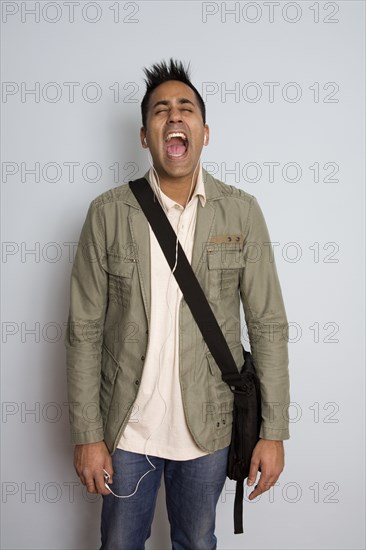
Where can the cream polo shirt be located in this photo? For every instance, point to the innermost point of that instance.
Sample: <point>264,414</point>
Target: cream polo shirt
<point>157,425</point>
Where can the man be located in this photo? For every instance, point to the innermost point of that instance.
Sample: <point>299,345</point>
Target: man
<point>147,395</point>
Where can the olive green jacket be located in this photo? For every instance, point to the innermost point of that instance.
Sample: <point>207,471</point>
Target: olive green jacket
<point>108,327</point>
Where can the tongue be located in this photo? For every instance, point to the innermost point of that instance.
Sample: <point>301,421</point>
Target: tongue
<point>176,147</point>
<point>176,150</point>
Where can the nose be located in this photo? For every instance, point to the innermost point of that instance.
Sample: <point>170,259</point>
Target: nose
<point>174,115</point>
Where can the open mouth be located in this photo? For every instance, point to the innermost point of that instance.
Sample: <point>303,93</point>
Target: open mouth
<point>176,145</point>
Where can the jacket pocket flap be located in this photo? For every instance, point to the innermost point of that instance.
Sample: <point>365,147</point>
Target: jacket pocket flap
<point>115,265</point>
<point>226,259</point>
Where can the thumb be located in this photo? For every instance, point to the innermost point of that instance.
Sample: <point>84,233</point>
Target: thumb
<point>253,471</point>
<point>109,468</point>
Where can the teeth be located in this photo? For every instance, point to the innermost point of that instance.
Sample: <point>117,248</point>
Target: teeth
<point>176,134</point>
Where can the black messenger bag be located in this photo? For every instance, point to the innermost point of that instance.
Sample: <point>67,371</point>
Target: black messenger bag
<point>244,384</point>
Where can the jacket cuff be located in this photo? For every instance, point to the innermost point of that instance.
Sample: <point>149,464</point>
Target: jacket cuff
<point>93,436</point>
<point>274,433</point>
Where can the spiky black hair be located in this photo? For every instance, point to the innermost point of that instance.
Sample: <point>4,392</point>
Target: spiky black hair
<point>163,72</point>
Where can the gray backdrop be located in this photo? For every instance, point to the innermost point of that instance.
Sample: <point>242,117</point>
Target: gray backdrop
<point>284,87</point>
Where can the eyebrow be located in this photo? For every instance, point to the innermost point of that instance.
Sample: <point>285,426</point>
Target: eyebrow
<point>181,101</point>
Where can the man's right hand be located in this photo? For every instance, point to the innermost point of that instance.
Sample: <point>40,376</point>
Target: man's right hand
<point>90,460</point>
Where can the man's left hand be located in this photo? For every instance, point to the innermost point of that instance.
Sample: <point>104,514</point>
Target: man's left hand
<point>269,456</point>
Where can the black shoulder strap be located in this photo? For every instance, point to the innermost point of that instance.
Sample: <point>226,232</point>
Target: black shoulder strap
<point>187,281</point>
<point>197,302</point>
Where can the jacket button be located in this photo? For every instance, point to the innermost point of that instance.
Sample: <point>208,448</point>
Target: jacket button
<point>137,382</point>
<point>218,424</point>
<point>142,357</point>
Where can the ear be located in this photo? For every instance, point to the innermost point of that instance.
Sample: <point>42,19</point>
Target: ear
<point>143,137</point>
<point>207,135</point>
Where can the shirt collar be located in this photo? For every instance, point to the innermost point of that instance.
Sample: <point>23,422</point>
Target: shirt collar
<point>199,190</point>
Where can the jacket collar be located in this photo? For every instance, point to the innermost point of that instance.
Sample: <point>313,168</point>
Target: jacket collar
<point>212,190</point>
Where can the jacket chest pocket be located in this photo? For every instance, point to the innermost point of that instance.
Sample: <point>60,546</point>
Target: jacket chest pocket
<point>120,276</point>
<point>224,268</point>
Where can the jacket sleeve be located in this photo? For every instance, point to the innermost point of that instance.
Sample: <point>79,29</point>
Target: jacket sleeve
<point>84,335</point>
<point>266,321</point>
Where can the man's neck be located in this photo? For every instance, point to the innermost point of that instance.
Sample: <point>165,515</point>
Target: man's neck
<point>178,189</point>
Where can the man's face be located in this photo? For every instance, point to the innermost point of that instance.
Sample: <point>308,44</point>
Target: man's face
<point>174,130</point>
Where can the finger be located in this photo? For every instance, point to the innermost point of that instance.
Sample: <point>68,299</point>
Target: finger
<point>262,486</point>
<point>90,486</point>
<point>100,482</point>
<point>254,494</point>
<point>109,468</point>
<point>253,472</point>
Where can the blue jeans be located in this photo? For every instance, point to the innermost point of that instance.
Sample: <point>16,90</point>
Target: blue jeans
<point>192,490</point>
